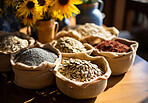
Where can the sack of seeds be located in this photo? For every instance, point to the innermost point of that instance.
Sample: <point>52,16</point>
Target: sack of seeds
<point>81,76</point>
<point>11,43</point>
<point>120,53</point>
<point>68,44</point>
<point>90,29</point>
<point>33,67</point>
<point>72,34</point>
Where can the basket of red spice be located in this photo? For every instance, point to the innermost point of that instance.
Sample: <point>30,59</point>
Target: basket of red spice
<point>119,52</point>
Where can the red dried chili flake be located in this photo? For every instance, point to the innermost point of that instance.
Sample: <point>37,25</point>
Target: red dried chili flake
<point>112,46</point>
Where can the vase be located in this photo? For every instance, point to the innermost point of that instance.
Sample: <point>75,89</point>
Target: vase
<point>90,13</point>
<point>4,25</point>
<point>8,21</point>
<point>46,30</point>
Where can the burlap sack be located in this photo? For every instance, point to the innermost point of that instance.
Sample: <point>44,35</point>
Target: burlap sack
<point>118,62</point>
<point>84,90</point>
<point>89,29</point>
<point>64,33</point>
<point>5,64</point>
<point>74,35</point>
<point>35,77</point>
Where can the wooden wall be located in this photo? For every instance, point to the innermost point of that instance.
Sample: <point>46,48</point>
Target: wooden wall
<point>114,11</point>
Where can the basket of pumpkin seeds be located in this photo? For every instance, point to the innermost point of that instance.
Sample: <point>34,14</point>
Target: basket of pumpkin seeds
<point>11,43</point>
<point>81,76</point>
<point>33,67</point>
<point>67,43</point>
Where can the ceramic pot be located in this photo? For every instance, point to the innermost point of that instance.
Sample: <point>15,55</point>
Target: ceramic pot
<point>46,30</point>
<point>90,13</point>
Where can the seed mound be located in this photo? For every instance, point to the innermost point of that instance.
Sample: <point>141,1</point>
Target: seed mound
<point>69,45</point>
<point>9,43</point>
<point>79,70</point>
<point>112,46</point>
<point>93,29</point>
<point>35,56</point>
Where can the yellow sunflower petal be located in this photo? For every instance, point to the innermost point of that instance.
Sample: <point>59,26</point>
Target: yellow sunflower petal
<point>76,2</point>
<point>45,5</point>
<point>24,10</point>
<point>64,10</point>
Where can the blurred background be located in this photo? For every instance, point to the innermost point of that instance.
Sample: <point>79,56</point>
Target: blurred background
<point>130,17</point>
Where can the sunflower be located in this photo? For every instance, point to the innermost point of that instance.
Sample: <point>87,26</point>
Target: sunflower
<point>31,19</point>
<point>29,6</point>
<point>44,5</point>
<point>64,8</point>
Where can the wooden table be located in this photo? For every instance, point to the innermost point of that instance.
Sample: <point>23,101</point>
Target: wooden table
<point>131,87</point>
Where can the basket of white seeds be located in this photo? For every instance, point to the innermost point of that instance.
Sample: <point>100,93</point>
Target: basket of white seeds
<point>81,76</point>
<point>11,43</point>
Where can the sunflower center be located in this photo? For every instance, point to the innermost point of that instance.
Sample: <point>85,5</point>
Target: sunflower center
<point>41,2</point>
<point>30,16</point>
<point>63,2</point>
<point>30,4</point>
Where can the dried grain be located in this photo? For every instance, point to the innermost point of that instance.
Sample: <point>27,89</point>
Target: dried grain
<point>69,45</point>
<point>79,70</point>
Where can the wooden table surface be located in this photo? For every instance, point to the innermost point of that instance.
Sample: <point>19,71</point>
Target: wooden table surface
<point>131,87</point>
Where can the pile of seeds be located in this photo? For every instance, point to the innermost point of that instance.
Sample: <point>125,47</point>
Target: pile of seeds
<point>35,56</point>
<point>79,70</point>
<point>9,43</point>
<point>93,29</point>
<point>69,45</point>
